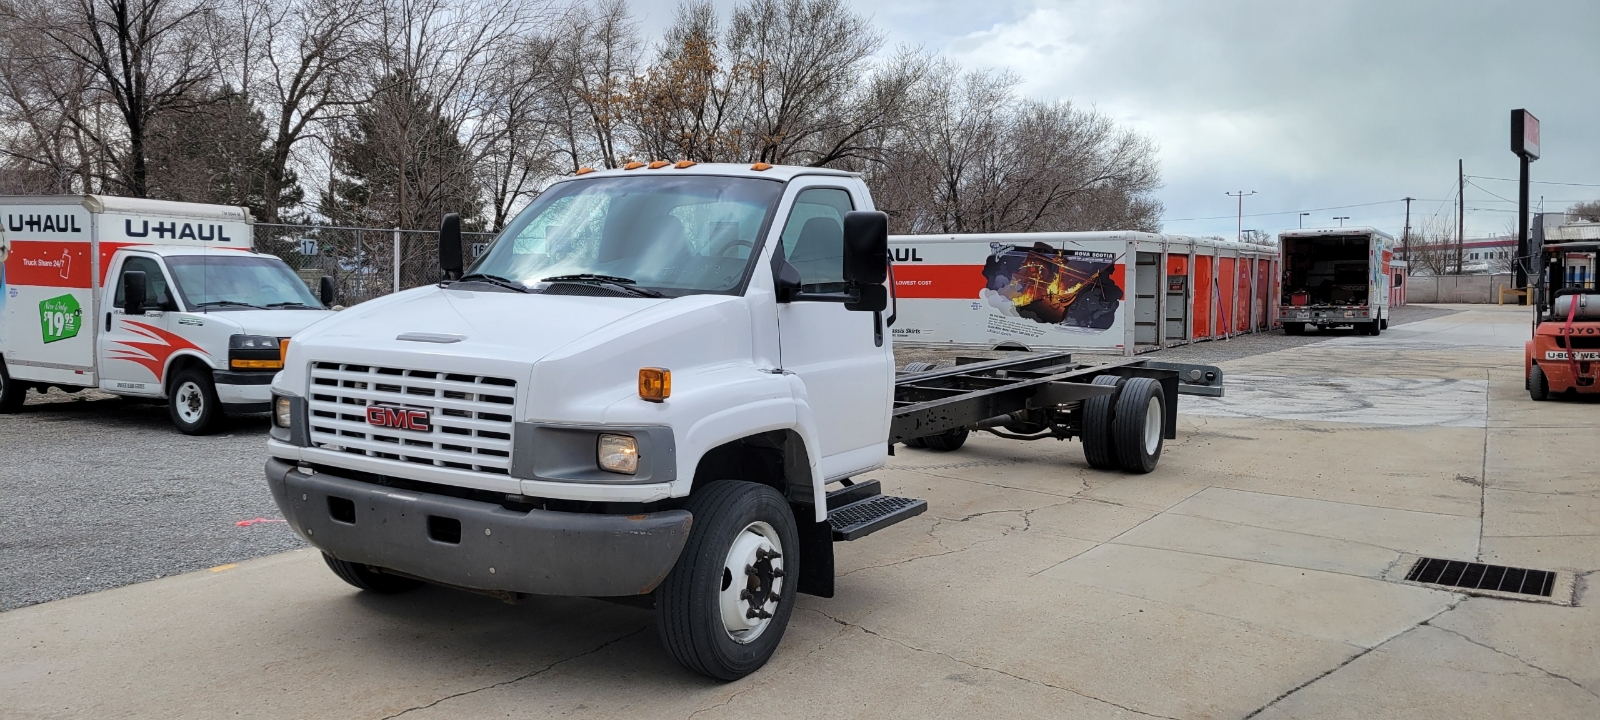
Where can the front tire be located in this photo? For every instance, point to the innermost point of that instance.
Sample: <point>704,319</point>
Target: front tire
<point>723,608</point>
<point>194,406</point>
<point>12,393</point>
<point>365,579</point>
<point>1538,384</point>
<point>1140,424</point>
<point>1099,446</point>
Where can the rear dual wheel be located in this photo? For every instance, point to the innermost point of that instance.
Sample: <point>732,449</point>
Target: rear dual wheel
<point>1125,429</point>
<point>12,393</point>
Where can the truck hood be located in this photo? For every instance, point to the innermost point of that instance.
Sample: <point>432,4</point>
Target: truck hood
<point>272,323</point>
<point>499,326</point>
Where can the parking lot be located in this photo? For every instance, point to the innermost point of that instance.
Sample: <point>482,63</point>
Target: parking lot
<point>1258,572</point>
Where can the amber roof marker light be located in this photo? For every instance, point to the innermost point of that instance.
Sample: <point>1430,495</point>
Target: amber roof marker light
<point>658,164</point>
<point>684,164</point>
<point>758,167</point>
<point>634,165</point>
<point>584,171</point>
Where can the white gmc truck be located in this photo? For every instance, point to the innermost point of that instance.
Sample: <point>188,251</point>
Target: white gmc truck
<point>659,383</point>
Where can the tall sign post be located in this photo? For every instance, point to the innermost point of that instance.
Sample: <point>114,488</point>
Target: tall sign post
<point>1525,143</point>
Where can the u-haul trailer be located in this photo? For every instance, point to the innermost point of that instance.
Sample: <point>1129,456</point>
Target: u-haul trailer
<point>207,334</point>
<point>1127,292</point>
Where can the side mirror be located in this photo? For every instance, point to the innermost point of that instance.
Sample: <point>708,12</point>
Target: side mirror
<point>325,291</point>
<point>133,292</point>
<point>450,246</point>
<point>866,259</point>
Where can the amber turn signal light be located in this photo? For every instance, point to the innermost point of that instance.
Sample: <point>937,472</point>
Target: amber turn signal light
<point>655,384</point>
<point>256,364</point>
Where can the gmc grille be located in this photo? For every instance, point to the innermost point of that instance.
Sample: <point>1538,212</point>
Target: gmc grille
<point>471,415</point>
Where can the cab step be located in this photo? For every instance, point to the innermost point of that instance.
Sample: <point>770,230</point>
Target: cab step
<point>858,510</point>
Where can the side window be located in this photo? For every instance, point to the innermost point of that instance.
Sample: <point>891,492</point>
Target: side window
<point>813,238</point>
<point>155,282</point>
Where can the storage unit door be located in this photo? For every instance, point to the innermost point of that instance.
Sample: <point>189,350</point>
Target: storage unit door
<point>1227,306</point>
<point>1146,283</point>
<point>1264,293</point>
<point>1204,302</point>
<point>1241,298</point>
<point>1177,297</point>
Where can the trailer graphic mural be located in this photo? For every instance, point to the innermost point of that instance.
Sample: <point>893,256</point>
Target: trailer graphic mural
<point>1071,288</point>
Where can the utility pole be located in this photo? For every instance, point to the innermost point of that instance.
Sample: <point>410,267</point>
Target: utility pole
<point>1461,212</point>
<point>1238,229</point>
<point>1405,236</point>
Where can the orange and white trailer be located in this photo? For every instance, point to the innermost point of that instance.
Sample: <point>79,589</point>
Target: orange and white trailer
<point>1127,292</point>
<point>144,298</point>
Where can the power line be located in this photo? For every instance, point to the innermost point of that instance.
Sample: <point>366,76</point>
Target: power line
<point>1536,182</point>
<point>1285,212</point>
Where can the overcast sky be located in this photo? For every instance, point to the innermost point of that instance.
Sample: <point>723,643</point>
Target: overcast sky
<point>1313,105</point>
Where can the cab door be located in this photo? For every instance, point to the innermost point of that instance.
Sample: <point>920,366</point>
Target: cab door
<point>134,349</point>
<point>843,357</point>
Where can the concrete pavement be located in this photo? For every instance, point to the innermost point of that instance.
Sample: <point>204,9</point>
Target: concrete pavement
<point>1246,577</point>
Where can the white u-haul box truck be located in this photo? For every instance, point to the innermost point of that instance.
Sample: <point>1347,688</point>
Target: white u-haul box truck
<point>147,299</point>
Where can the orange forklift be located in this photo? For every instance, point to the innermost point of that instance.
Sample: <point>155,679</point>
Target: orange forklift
<point>1564,354</point>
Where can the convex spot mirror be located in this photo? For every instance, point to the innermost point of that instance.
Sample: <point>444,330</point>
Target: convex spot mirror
<point>133,292</point>
<point>866,259</point>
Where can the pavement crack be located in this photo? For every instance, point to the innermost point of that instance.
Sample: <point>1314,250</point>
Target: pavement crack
<point>986,668</point>
<point>1457,602</point>
<point>520,678</point>
<point>1494,649</point>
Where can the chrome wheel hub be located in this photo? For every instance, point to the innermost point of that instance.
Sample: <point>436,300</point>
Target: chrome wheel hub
<point>752,582</point>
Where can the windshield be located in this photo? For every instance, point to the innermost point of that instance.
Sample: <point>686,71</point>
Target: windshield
<point>674,235</point>
<point>228,281</point>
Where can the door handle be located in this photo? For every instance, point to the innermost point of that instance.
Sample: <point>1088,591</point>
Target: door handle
<point>108,322</point>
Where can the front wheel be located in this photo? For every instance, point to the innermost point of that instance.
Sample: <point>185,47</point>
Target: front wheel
<point>194,406</point>
<point>723,608</point>
<point>364,578</point>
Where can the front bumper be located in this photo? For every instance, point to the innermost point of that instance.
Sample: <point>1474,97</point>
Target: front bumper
<point>540,552</point>
<point>242,392</point>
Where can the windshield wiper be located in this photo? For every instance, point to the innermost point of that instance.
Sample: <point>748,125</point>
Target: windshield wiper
<point>228,303</point>
<point>506,283</point>
<point>618,283</point>
<point>292,304</point>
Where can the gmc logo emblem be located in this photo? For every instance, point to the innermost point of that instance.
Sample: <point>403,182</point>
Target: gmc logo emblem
<point>399,418</point>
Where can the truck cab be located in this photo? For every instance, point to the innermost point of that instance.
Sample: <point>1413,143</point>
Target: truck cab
<point>642,389</point>
<point>145,299</point>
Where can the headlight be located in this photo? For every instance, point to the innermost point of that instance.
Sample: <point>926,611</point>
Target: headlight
<point>255,352</point>
<point>618,454</point>
<point>281,414</point>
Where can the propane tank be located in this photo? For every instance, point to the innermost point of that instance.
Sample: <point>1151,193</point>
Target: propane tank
<point>1588,307</point>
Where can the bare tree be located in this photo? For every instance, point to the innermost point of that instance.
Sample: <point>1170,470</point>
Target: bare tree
<point>1586,211</point>
<point>596,55</point>
<point>1433,246</point>
<point>146,56</point>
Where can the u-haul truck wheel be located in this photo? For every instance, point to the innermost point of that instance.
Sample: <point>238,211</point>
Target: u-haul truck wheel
<point>12,394</point>
<point>723,608</point>
<point>1099,443</point>
<point>193,403</point>
<point>1141,417</point>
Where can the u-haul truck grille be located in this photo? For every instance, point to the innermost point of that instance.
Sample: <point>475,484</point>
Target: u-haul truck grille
<point>415,416</point>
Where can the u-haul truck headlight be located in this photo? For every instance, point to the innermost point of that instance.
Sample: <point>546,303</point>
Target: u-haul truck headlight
<point>282,411</point>
<point>255,352</point>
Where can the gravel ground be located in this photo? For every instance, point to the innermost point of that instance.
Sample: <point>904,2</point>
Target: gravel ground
<point>1209,353</point>
<point>97,492</point>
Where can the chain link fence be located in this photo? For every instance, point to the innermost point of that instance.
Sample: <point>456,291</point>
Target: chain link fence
<point>364,263</point>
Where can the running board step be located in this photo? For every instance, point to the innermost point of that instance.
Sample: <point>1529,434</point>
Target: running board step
<point>864,517</point>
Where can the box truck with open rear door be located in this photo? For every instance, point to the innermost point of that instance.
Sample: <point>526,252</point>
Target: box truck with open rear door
<point>1335,277</point>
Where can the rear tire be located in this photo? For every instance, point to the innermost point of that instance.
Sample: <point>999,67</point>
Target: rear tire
<point>12,394</point>
<point>1375,328</point>
<point>365,579</point>
<point>947,441</point>
<point>193,404</point>
<point>1140,424</point>
<point>1538,384</point>
<point>1099,447</point>
<point>1383,324</point>
<point>702,608</point>
<point>1293,328</point>
<point>916,443</point>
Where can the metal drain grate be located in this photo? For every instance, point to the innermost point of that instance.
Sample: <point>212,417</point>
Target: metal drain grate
<point>1478,576</point>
